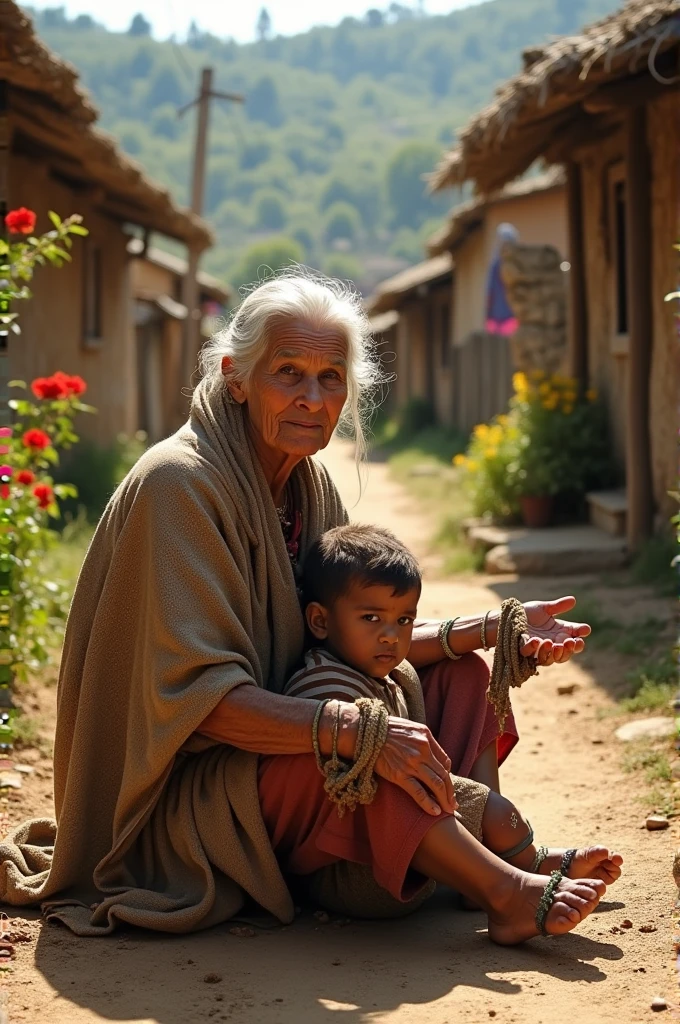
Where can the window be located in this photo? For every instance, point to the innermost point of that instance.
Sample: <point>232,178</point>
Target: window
<point>92,296</point>
<point>445,334</point>
<point>618,259</point>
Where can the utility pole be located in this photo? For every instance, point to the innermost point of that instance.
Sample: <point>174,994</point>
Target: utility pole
<point>190,340</point>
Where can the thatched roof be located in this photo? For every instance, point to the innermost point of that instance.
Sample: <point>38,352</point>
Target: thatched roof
<point>54,119</point>
<point>391,293</point>
<point>464,219</point>
<point>539,105</point>
<point>178,267</point>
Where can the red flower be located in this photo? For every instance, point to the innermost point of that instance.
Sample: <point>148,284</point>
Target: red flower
<point>21,221</point>
<point>4,491</point>
<point>44,494</point>
<point>24,476</point>
<point>74,385</point>
<point>49,387</point>
<point>35,438</point>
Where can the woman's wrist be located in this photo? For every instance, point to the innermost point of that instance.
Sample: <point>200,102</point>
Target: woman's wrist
<point>346,722</point>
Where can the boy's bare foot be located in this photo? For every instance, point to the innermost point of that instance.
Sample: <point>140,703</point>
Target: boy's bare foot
<point>515,920</point>
<point>589,862</point>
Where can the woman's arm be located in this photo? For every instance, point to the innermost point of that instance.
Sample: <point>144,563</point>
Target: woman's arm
<point>269,723</point>
<point>465,635</point>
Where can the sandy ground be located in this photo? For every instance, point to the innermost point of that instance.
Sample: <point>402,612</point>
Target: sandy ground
<point>437,967</point>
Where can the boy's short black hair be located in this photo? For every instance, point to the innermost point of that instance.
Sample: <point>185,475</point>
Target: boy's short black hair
<point>368,555</point>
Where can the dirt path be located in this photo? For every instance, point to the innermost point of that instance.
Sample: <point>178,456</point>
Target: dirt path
<point>438,967</point>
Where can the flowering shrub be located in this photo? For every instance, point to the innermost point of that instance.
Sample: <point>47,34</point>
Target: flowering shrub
<point>554,440</point>
<point>41,424</point>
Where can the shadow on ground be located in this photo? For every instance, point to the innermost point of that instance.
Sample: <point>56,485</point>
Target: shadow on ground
<point>306,973</point>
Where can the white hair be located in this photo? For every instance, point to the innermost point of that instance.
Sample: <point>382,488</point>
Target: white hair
<point>323,302</point>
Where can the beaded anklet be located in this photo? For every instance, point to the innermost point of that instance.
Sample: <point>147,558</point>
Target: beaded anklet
<point>566,861</point>
<point>541,853</point>
<point>546,901</point>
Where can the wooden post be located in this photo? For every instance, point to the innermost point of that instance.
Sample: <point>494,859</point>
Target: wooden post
<point>189,284</point>
<point>639,286</point>
<point>577,327</point>
<point>190,339</point>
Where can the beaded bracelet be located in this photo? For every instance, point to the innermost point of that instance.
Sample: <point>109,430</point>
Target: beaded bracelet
<point>485,646</point>
<point>443,635</point>
<point>541,853</point>
<point>566,861</point>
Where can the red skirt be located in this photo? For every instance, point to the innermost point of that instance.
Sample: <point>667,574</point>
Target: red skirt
<point>305,830</point>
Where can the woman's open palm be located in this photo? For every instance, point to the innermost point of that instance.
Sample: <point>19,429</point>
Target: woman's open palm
<point>552,640</point>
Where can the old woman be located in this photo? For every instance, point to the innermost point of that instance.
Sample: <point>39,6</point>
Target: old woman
<point>175,748</point>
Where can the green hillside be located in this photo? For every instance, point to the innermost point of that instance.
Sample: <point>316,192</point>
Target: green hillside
<point>324,161</point>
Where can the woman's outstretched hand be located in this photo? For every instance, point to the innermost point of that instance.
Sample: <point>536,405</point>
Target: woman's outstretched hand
<point>412,759</point>
<point>552,640</point>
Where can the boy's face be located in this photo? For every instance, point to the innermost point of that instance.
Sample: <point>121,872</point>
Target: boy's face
<point>369,628</point>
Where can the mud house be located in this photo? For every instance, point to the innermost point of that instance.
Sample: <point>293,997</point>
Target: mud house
<point>606,106</point>
<point>438,308</point>
<point>53,157</point>
<point>156,284</point>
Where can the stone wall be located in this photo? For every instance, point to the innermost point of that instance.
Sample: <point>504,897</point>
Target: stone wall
<point>536,293</point>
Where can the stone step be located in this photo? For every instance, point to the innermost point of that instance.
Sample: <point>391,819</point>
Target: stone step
<point>554,551</point>
<point>608,511</point>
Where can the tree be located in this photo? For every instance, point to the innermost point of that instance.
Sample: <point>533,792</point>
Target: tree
<point>84,22</point>
<point>270,211</point>
<point>263,27</point>
<point>141,63</point>
<point>263,104</point>
<point>406,190</point>
<point>164,122</point>
<point>342,221</point>
<point>262,259</point>
<point>342,266</point>
<point>165,87</point>
<point>375,18</point>
<point>54,17</point>
<point>139,26</point>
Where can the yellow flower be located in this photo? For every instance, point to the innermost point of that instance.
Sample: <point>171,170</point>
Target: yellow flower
<point>460,460</point>
<point>591,395</point>
<point>490,453</point>
<point>520,383</point>
<point>472,466</point>
<point>481,430</point>
<point>569,397</point>
<point>502,420</point>
<point>544,389</point>
<point>551,401</point>
<point>567,410</point>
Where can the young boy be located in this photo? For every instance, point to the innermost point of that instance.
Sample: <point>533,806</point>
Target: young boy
<point>360,592</point>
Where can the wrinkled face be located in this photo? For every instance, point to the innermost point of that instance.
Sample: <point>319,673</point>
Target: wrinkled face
<point>298,389</point>
<point>368,628</point>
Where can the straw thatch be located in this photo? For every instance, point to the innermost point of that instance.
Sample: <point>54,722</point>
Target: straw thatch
<point>384,321</point>
<point>51,111</point>
<point>541,103</point>
<point>391,293</point>
<point>464,219</point>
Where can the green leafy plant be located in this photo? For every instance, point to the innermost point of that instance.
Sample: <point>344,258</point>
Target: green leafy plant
<point>31,606</point>
<point>554,440</point>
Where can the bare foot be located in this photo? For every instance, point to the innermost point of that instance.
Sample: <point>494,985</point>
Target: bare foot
<point>515,921</point>
<point>589,862</point>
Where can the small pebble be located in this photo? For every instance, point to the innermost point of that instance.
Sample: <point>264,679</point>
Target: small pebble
<point>655,822</point>
<point>658,1003</point>
<point>492,1013</point>
<point>212,979</point>
<point>566,689</point>
<point>647,928</point>
<point>626,924</point>
<point>322,916</point>
<point>242,931</point>
<point>596,743</point>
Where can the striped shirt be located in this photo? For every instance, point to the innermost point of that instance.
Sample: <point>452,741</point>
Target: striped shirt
<point>325,676</point>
